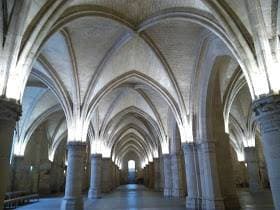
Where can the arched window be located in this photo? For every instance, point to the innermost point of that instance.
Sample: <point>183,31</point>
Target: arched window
<point>131,165</point>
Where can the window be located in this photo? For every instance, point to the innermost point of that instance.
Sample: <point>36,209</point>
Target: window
<point>131,165</point>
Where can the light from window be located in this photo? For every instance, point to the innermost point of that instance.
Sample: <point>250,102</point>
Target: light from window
<point>131,165</point>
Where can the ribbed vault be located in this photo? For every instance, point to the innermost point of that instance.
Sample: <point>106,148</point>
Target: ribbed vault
<point>112,71</point>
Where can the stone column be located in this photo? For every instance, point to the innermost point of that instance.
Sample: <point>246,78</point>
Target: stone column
<point>212,198</point>
<point>156,174</point>
<point>167,175</point>
<point>145,175</point>
<point>148,175</point>
<point>86,174</point>
<point>177,179</point>
<point>10,112</point>
<point>118,176</point>
<point>95,177</point>
<point>111,174</point>
<point>267,112</point>
<point>115,176</point>
<point>161,165</point>
<point>106,181</point>
<point>73,199</point>
<point>193,200</point>
<point>253,169</point>
<point>151,175</point>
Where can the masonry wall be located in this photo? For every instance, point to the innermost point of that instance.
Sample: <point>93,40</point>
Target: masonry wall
<point>35,172</point>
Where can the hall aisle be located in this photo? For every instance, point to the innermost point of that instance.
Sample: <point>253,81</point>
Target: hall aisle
<point>138,197</point>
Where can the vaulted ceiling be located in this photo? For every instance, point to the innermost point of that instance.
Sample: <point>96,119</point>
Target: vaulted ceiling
<point>127,69</point>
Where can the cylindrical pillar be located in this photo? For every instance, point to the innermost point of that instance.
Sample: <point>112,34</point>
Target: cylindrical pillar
<point>177,179</point>
<point>73,199</point>
<point>253,169</point>
<point>114,175</point>
<point>193,200</point>
<point>116,169</point>
<point>106,175</point>
<point>95,177</point>
<point>167,175</point>
<point>118,176</point>
<point>161,168</point>
<point>147,175</point>
<point>111,175</point>
<point>143,175</point>
<point>151,174</point>
<point>10,111</point>
<point>211,198</point>
<point>156,174</point>
<point>267,112</point>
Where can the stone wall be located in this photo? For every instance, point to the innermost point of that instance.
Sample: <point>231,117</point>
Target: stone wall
<point>34,172</point>
<point>239,171</point>
<point>261,162</point>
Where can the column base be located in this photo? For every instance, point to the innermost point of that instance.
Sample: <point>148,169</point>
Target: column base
<point>167,192</point>
<point>210,204</point>
<point>72,204</point>
<point>178,193</point>
<point>193,203</point>
<point>94,194</point>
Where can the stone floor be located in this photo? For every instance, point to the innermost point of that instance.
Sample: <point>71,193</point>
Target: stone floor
<point>137,197</point>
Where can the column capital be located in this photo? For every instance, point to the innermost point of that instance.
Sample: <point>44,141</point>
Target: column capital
<point>189,146</point>
<point>96,155</point>
<point>76,143</point>
<point>106,158</point>
<point>250,154</point>
<point>166,155</point>
<point>9,109</point>
<point>156,159</point>
<point>267,112</point>
<point>249,149</point>
<point>18,157</point>
<point>176,156</point>
<point>267,105</point>
<point>208,146</point>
